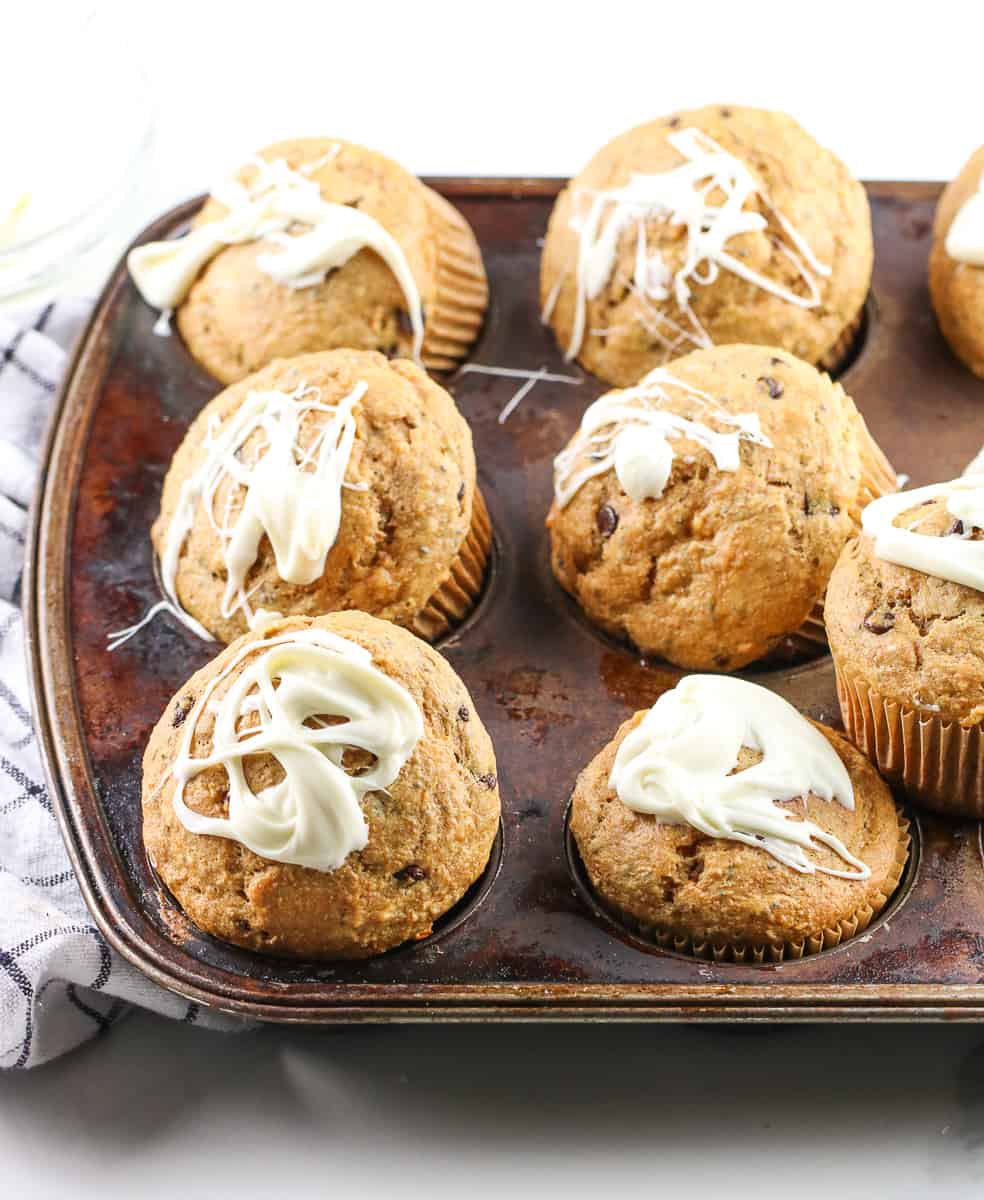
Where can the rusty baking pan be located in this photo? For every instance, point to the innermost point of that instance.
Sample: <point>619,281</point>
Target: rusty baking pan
<point>529,942</point>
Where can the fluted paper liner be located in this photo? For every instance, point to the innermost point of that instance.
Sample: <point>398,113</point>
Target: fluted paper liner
<point>823,939</point>
<point>840,351</point>
<point>455,314</point>
<point>877,479</point>
<point>459,592</point>
<point>939,764</point>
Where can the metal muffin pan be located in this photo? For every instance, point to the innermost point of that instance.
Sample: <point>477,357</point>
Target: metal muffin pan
<point>529,943</point>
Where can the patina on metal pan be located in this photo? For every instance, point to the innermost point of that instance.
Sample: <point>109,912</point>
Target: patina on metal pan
<point>528,944</point>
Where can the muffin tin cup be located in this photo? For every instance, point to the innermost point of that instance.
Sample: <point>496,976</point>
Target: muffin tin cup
<point>462,587</point>
<point>746,953</point>
<point>938,764</point>
<point>456,312</point>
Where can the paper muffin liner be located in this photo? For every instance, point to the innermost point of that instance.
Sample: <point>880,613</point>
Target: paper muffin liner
<point>459,592</point>
<point>877,479</point>
<point>455,314</point>
<point>840,351</point>
<point>938,764</point>
<point>823,939</point>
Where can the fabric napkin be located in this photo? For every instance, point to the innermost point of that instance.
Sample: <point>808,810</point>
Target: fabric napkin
<point>59,982</point>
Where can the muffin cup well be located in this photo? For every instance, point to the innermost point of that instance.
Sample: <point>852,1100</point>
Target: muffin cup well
<point>455,314</point>
<point>939,764</point>
<point>462,586</point>
<point>750,952</point>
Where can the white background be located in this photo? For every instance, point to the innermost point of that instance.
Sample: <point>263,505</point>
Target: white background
<point>158,1109</point>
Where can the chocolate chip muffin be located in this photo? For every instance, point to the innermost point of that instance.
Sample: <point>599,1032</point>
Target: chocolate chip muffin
<point>338,480</point>
<point>322,789</point>
<point>956,264</point>
<point>906,648</point>
<point>317,244</point>
<point>720,224</point>
<point>709,894</point>
<point>699,514</point>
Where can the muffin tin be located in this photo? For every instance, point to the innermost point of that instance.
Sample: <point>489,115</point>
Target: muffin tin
<point>529,941</point>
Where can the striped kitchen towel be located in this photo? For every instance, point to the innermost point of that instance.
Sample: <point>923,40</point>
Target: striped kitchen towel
<point>59,982</point>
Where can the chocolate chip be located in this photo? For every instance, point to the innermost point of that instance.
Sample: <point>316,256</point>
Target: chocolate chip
<point>772,386</point>
<point>606,520</point>
<point>725,112</point>
<point>879,620</point>
<point>488,781</point>
<point>464,714</point>
<point>673,122</point>
<point>183,709</point>
<point>827,507</point>
<point>461,492</point>
<point>411,873</point>
<point>957,528</point>
<point>776,362</point>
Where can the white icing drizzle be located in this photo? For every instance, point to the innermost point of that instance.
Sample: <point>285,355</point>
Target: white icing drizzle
<point>965,237</point>
<point>291,494</point>
<point>276,198</point>
<point>954,557</point>
<point>676,766</point>
<point>976,464</point>
<point>532,378</point>
<point>682,195</point>
<point>629,431</point>
<point>278,705</point>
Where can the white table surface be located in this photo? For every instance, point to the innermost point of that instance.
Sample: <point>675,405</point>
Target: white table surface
<point>159,1109</point>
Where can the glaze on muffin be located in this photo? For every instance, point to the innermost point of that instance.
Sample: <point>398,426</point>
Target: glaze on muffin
<point>318,244</point>
<point>330,481</point>
<point>716,225</point>
<point>723,824</point>
<point>699,514</point>
<point>343,742</point>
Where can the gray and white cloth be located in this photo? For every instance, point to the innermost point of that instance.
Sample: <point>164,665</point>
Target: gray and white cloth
<point>59,982</point>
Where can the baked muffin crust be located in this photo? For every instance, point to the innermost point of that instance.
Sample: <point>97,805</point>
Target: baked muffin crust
<point>405,514</point>
<point>430,835</point>
<point>628,334</point>
<point>671,879</point>
<point>913,637</point>
<point>957,288</point>
<point>717,570</point>
<point>236,318</point>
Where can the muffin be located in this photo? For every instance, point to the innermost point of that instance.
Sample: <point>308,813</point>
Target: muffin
<point>318,244</point>
<point>339,480</point>
<point>904,614</point>
<point>699,514</point>
<point>322,789</point>
<point>717,225</point>
<point>722,823</point>
<point>956,264</point>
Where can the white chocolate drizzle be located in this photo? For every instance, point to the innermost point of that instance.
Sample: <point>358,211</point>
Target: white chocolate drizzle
<point>976,464</point>
<point>630,431</point>
<point>677,766</point>
<point>286,703</point>
<point>955,556</point>
<point>683,195</point>
<point>532,378</point>
<point>289,493</point>
<point>276,199</point>
<point>965,237</point>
